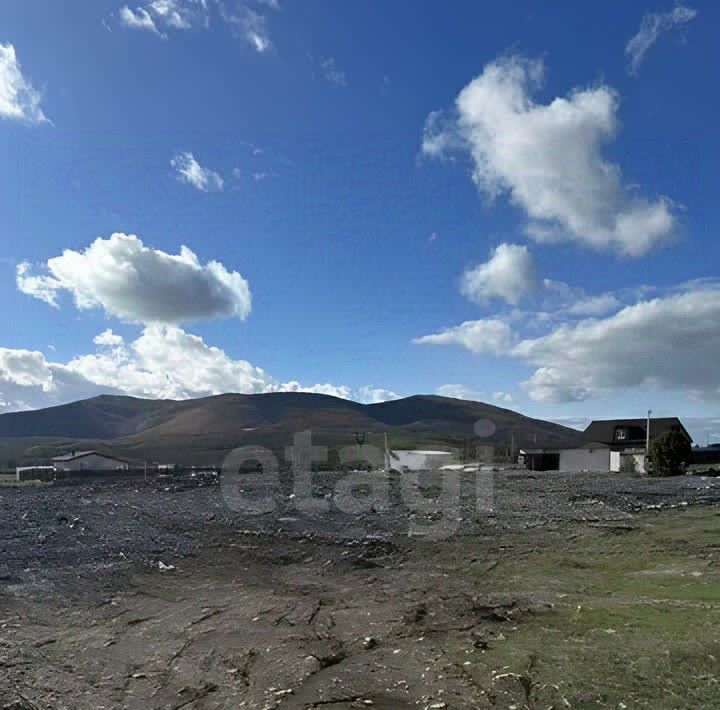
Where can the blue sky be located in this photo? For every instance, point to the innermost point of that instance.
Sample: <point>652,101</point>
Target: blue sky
<point>357,213</point>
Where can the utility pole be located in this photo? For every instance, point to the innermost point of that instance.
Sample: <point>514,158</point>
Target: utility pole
<point>647,433</point>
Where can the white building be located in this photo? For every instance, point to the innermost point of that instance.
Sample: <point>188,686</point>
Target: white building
<point>594,456</point>
<point>420,459</point>
<point>88,461</point>
<point>616,445</point>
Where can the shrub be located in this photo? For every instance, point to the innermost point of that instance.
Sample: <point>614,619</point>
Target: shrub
<point>668,454</point>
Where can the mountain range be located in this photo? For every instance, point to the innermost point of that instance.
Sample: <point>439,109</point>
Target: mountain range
<point>202,431</point>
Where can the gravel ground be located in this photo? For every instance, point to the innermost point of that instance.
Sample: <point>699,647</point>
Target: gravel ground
<point>107,525</point>
<point>157,594</point>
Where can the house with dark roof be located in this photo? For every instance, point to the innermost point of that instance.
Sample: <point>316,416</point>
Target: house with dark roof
<point>621,434</point>
<point>605,445</point>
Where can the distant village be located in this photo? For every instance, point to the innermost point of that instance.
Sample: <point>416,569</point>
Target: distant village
<point>614,445</point>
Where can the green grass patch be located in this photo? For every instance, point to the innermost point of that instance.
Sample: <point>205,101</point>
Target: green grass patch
<point>633,619</point>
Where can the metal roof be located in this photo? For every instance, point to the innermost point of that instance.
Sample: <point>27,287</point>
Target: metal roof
<point>80,454</point>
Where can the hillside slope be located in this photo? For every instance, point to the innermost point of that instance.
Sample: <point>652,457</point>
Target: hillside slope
<point>204,430</point>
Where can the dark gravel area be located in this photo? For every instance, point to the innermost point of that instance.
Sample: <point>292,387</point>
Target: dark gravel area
<point>65,532</point>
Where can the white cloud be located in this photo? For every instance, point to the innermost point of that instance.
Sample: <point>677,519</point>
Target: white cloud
<point>331,72</point>
<point>503,397</point>
<point>595,305</point>
<point>44,288</point>
<point>28,381</point>
<point>138,19</point>
<point>654,24</point>
<point>547,158</point>
<point>18,99</point>
<point>457,391</point>
<point>108,338</point>
<point>163,362</point>
<point>162,16</point>
<point>168,362</point>
<point>490,336</point>
<point>368,394</point>
<point>137,283</point>
<point>159,16</point>
<point>671,342</point>
<point>509,275</point>
<point>249,25</point>
<point>175,14</point>
<point>24,367</point>
<point>192,173</point>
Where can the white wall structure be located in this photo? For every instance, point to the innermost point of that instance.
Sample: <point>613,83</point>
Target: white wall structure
<point>420,460</point>
<point>590,458</point>
<point>90,461</point>
<point>631,461</point>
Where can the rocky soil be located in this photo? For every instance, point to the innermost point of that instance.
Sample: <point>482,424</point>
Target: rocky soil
<point>173,593</point>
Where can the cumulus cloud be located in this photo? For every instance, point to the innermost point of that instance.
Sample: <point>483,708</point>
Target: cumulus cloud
<point>548,159</point>
<point>168,362</point>
<point>671,342</point>
<point>654,24</point>
<point>19,100</point>
<point>163,362</point>
<point>489,336</point>
<point>509,275</point>
<point>192,173</point>
<point>28,381</point>
<point>368,394</point>
<point>595,305</point>
<point>44,288</point>
<point>107,337</point>
<point>139,284</point>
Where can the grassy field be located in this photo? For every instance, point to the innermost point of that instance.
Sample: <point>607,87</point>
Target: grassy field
<point>631,618</point>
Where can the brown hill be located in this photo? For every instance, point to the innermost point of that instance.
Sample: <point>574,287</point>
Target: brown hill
<point>203,430</point>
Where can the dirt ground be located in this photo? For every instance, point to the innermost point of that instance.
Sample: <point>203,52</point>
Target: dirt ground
<point>540,590</point>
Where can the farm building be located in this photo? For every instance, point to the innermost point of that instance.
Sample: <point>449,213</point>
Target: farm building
<point>420,459</point>
<point>606,445</point>
<point>88,461</point>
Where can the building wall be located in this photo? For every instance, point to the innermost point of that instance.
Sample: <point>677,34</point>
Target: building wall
<point>585,460</point>
<point>93,462</point>
<point>35,473</point>
<point>619,459</point>
<point>421,460</point>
